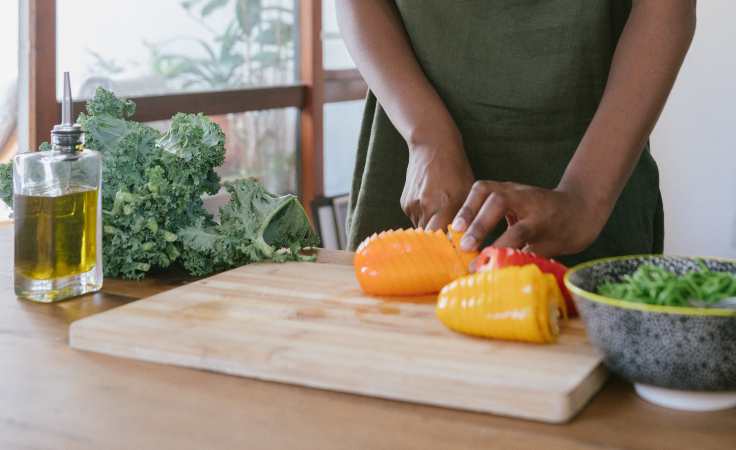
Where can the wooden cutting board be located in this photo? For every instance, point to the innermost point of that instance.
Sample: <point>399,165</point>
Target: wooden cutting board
<point>309,324</point>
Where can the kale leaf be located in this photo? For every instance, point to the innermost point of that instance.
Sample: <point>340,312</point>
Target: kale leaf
<point>6,183</point>
<point>254,226</point>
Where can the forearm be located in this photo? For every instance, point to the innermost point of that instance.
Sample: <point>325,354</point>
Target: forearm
<point>645,64</point>
<point>376,40</point>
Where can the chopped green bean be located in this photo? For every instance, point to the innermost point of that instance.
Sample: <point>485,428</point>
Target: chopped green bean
<point>657,286</point>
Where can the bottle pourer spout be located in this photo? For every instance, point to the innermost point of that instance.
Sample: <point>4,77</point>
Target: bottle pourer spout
<point>66,103</point>
<point>66,136</point>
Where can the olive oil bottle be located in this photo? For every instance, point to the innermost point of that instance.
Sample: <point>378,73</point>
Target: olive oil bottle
<point>57,211</point>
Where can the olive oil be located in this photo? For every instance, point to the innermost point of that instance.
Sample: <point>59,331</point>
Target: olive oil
<point>57,235</point>
<point>58,215</point>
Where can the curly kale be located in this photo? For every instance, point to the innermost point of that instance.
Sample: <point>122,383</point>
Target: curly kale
<point>6,183</point>
<point>152,188</point>
<point>106,103</point>
<point>254,226</point>
<point>152,183</point>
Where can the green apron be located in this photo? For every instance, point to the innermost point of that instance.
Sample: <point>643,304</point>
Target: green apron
<point>522,80</point>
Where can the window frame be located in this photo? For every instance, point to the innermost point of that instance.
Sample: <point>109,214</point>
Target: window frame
<point>316,87</point>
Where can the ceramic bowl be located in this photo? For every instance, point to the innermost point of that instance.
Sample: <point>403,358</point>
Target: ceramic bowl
<point>679,357</point>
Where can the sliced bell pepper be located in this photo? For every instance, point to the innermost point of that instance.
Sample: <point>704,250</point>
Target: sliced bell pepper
<point>498,258</point>
<point>516,303</point>
<point>410,262</point>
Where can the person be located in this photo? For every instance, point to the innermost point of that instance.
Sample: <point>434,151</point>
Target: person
<point>523,123</point>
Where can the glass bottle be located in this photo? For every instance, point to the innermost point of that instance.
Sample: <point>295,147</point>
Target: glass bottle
<point>58,215</point>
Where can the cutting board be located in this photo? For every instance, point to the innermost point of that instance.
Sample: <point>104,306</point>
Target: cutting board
<point>309,324</point>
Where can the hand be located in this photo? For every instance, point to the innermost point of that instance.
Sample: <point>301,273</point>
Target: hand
<point>438,178</point>
<point>549,222</point>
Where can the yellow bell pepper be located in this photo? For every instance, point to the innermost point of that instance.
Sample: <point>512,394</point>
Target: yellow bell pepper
<point>517,303</point>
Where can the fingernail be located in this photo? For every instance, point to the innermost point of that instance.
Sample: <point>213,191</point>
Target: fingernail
<point>467,243</point>
<point>459,224</point>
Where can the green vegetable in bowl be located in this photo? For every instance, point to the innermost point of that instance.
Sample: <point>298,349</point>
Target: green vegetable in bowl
<point>657,286</point>
<point>152,187</point>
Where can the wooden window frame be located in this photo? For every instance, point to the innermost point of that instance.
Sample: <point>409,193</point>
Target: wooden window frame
<point>316,87</point>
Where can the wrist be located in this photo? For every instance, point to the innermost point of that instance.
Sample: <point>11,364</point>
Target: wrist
<point>434,134</point>
<point>596,204</point>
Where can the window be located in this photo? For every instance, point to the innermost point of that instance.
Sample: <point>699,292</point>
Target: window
<point>8,79</point>
<point>335,54</point>
<point>8,86</point>
<point>174,46</point>
<point>341,120</point>
<point>254,66</point>
<point>342,126</point>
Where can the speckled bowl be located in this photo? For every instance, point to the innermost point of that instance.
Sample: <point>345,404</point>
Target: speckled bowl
<point>675,348</point>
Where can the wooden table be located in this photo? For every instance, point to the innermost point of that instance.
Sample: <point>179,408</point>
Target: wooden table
<point>53,397</point>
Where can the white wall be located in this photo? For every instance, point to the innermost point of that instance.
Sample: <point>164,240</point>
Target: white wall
<point>694,140</point>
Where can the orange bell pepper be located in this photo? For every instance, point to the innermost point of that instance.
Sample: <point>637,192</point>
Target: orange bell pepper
<point>410,262</point>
